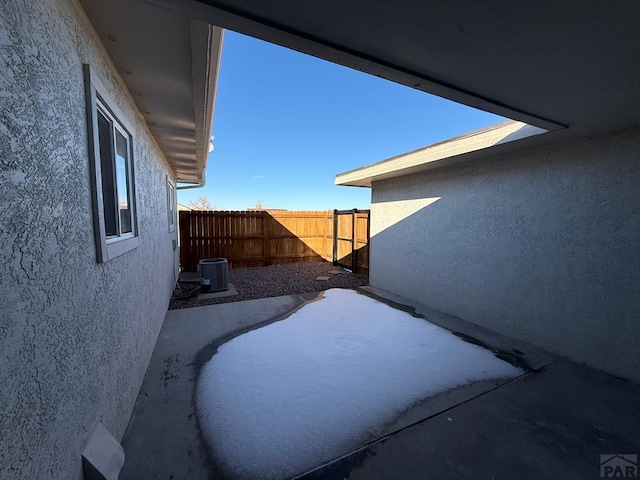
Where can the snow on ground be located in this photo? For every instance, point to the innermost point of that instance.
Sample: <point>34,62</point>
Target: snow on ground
<point>290,396</point>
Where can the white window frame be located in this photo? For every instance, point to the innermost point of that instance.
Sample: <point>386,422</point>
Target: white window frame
<point>107,247</point>
<point>172,205</point>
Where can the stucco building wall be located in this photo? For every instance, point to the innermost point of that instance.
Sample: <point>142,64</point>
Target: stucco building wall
<point>541,245</point>
<point>75,335</point>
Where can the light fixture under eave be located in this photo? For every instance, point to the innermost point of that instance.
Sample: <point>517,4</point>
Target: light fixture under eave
<point>211,147</point>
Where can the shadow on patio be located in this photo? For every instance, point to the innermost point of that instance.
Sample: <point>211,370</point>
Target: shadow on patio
<point>553,421</point>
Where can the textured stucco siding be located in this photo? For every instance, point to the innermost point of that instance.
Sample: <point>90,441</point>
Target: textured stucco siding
<point>75,336</point>
<point>542,246</point>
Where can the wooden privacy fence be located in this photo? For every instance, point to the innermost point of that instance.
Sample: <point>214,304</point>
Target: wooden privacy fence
<point>255,239</point>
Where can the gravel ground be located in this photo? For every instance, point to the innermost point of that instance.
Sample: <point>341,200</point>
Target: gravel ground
<point>277,280</point>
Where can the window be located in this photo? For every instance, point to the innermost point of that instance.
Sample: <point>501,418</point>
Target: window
<point>113,188</point>
<point>171,205</point>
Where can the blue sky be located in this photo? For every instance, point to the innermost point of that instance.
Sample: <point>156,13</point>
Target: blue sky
<point>286,123</point>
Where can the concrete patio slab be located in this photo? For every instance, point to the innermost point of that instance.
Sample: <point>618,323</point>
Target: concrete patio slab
<point>530,356</point>
<point>163,439</point>
<point>549,424</point>
<point>558,417</point>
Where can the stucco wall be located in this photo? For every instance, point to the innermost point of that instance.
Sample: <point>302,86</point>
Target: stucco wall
<point>75,336</point>
<point>542,246</point>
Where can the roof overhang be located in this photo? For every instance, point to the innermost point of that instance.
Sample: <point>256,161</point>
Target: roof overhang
<point>546,63</point>
<point>497,139</point>
<point>169,63</point>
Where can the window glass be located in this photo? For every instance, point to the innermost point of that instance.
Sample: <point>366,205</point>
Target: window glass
<point>122,181</point>
<point>106,165</point>
<point>112,176</point>
<point>171,205</point>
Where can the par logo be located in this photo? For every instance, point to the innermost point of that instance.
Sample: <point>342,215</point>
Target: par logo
<point>619,465</point>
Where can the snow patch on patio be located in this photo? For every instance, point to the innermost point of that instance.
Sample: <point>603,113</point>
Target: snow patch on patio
<point>290,396</point>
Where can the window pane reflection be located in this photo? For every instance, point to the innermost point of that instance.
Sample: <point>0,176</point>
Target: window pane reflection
<point>122,182</point>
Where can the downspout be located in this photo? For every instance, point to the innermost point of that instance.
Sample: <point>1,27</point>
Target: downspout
<point>196,185</point>
<point>201,183</point>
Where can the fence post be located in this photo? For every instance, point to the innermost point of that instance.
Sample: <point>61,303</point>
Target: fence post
<point>354,250</point>
<point>265,238</point>
<point>185,248</point>
<point>335,237</point>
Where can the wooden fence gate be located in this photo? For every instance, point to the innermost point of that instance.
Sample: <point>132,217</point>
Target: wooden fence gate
<point>351,240</point>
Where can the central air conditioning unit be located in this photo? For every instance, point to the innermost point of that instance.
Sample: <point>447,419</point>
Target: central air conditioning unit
<point>214,274</point>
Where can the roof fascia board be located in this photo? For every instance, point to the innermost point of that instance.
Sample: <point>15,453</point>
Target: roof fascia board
<point>206,51</point>
<point>367,175</point>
